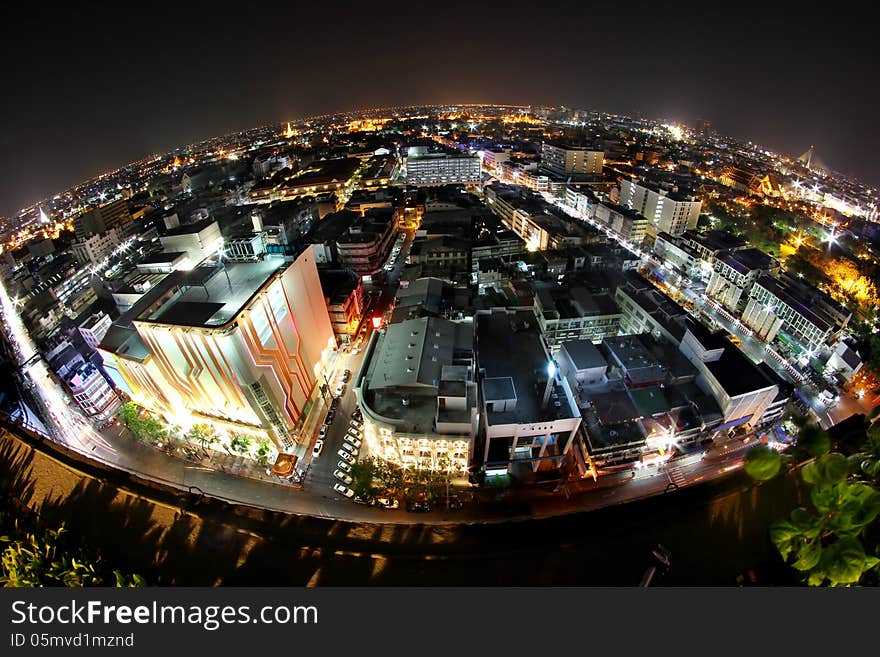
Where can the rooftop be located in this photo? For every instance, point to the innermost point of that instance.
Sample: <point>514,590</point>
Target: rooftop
<point>510,347</point>
<point>584,354</point>
<point>736,373</point>
<point>213,295</point>
<point>748,260</point>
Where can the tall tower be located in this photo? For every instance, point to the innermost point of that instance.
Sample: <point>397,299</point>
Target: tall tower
<point>44,218</point>
<point>807,158</point>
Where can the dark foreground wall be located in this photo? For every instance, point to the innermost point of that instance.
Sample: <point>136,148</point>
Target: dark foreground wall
<point>715,533</point>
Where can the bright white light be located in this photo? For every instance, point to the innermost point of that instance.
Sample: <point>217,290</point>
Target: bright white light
<point>551,369</point>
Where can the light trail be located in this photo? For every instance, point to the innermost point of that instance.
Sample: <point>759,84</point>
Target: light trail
<point>66,424</point>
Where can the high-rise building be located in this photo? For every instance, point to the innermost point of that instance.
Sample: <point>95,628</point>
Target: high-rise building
<point>243,346</point>
<point>735,273</point>
<point>431,169</point>
<point>93,249</point>
<point>565,159</point>
<point>103,218</point>
<point>667,212</point>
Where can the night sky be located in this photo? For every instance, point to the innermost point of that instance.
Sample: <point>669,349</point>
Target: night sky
<point>88,89</point>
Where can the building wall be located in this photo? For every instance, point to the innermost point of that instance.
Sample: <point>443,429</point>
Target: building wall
<point>434,170</point>
<point>257,372</point>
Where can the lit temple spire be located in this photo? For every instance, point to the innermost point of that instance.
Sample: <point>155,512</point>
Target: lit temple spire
<point>44,218</point>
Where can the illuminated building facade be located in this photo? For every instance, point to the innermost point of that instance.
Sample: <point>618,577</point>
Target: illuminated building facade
<point>426,169</point>
<point>90,390</point>
<point>528,413</point>
<point>417,393</point>
<point>564,159</point>
<point>667,212</point>
<point>241,346</point>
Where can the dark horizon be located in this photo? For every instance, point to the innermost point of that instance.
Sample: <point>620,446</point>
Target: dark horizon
<point>93,88</point>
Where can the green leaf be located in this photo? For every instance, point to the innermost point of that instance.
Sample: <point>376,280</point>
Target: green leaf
<point>808,556</point>
<point>824,497</point>
<point>763,463</point>
<point>783,533</point>
<point>846,561</point>
<point>815,440</point>
<point>830,469</point>
<point>860,504</point>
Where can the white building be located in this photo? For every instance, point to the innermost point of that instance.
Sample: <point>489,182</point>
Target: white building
<point>92,250</point>
<point>94,329</point>
<point>734,274</point>
<point>564,159</point>
<point>417,393</point>
<point>429,169</point>
<point>199,241</point>
<point>667,212</point>
<point>93,394</point>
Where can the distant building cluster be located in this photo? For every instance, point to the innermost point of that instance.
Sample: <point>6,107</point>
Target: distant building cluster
<point>531,292</point>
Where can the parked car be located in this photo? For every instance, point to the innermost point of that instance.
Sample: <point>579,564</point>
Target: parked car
<point>346,375</point>
<point>316,451</point>
<point>345,467</point>
<point>329,418</point>
<point>351,449</point>
<point>355,424</point>
<point>388,503</point>
<point>339,390</point>
<point>418,506</point>
<point>344,478</point>
<point>344,490</point>
<point>354,441</point>
<point>345,456</point>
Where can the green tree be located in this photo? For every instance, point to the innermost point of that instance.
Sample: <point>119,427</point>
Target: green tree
<point>363,474</point>
<point>129,415</point>
<point>240,443</point>
<point>202,435</point>
<point>263,449</point>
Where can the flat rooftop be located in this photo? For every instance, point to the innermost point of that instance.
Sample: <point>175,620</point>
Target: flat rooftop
<point>213,295</point>
<point>736,373</point>
<point>584,354</point>
<point>748,260</point>
<point>509,345</point>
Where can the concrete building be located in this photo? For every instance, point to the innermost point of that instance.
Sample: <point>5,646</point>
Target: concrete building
<point>93,249</point>
<point>366,243</point>
<point>103,218</point>
<point>667,212</point>
<point>566,159</point>
<point>741,389</point>
<point>646,309</point>
<point>199,240</point>
<point>242,346</point>
<point>92,393</point>
<point>417,392</point>
<point>425,169</point>
<point>567,314</point>
<point>94,328</point>
<point>735,273</point>
<point>582,364</point>
<point>677,256</point>
<point>777,308</point>
<point>529,415</point>
<point>344,295</point>
<point>629,224</point>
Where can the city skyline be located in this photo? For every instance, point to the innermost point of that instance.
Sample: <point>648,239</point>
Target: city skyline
<point>610,305</point>
<point>169,91</point>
